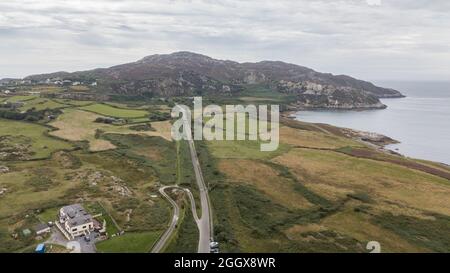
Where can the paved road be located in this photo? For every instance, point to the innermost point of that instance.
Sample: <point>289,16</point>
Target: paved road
<point>204,224</point>
<point>176,215</point>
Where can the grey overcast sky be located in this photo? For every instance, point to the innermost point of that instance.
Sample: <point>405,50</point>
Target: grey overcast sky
<point>368,39</point>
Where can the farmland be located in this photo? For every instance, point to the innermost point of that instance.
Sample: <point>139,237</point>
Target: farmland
<point>23,140</point>
<point>112,111</point>
<point>41,104</point>
<point>77,125</point>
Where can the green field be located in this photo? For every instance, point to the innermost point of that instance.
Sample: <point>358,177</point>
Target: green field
<point>243,149</point>
<point>41,104</point>
<point>132,242</point>
<point>74,102</point>
<point>49,214</point>
<point>30,138</point>
<point>22,98</point>
<point>107,110</point>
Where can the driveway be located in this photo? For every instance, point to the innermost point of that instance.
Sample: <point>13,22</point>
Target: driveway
<point>57,238</point>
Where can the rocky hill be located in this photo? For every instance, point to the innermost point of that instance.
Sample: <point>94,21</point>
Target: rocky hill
<point>186,73</point>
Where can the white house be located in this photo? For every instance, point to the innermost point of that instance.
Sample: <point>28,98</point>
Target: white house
<point>76,220</point>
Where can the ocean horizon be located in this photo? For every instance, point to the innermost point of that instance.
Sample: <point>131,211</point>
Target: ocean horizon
<point>420,121</point>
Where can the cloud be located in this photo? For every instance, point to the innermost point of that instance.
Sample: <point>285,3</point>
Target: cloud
<point>371,39</point>
<point>374,2</point>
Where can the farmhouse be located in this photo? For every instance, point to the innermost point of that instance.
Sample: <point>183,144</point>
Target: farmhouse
<point>76,220</point>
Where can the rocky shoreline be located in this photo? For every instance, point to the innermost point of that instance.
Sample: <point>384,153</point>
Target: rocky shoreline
<point>337,107</point>
<point>371,137</point>
<point>376,140</point>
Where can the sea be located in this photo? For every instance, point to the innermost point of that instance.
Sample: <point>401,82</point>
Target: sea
<point>421,121</point>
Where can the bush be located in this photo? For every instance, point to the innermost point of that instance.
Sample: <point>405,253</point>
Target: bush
<point>142,127</point>
<point>159,116</point>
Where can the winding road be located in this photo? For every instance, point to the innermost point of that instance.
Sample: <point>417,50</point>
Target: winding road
<point>176,216</point>
<point>173,224</point>
<point>204,223</point>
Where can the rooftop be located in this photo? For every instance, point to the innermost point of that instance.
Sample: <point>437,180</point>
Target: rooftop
<point>40,226</point>
<point>79,220</point>
<point>77,215</point>
<point>73,210</point>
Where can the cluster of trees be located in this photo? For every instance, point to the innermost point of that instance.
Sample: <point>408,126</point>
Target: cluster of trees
<point>10,105</point>
<point>106,120</point>
<point>30,115</point>
<point>142,127</point>
<point>159,116</point>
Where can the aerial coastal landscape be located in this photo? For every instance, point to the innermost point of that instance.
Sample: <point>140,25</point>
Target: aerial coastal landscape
<point>92,159</point>
<point>101,140</point>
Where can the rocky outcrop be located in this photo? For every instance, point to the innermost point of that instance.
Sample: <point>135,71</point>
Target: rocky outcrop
<point>4,169</point>
<point>371,137</point>
<point>311,95</point>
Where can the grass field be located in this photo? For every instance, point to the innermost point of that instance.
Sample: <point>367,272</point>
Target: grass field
<point>41,104</point>
<point>135,105</point>
<point>77,125</point>
<point>243,149</point>
<point>22,98</point>
<point>349,222</point>
<point>30,138</point>
<point>107,110</point>
<point>310,139</point>
<point>383,181</point>
<point>46,89</point>
<point>49,214</point>
<point>131,242</point>
<point>24,194</point>
<point>158,153</point>
<point>79,88</point>
<point>268,180</point>
<point>74,102</point>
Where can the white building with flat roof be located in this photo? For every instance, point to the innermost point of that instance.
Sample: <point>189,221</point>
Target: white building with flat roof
<point>76,220</point>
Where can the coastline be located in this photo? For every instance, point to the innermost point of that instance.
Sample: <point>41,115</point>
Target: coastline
<point>378,142</point>
<point>362,129</point>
